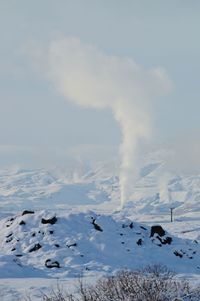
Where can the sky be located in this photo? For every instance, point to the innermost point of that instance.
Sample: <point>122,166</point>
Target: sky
<point>39,127</point>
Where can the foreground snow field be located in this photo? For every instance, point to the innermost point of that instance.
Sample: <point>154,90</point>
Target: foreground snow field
<point>39,247</point>
<point>77,229</point>
<point>45,244</point>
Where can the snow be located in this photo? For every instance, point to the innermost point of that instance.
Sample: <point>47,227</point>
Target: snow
<point>81,198</point>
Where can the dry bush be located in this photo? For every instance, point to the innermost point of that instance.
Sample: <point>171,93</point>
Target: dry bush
<point>154,283</point>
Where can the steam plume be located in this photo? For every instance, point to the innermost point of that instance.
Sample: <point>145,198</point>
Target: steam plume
<point>90,78</point>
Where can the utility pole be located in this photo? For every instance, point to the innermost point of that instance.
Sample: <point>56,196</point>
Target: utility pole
<point>171,210</point>
<point>171,204</point>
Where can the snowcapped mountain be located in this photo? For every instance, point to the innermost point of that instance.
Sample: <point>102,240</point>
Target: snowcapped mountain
<point>97,187</point>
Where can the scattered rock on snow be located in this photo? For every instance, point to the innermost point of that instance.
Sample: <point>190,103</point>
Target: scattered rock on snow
<point>131,225</point>
<point>22,223</point>
<point>52,264</point>
<point>9,235</point>
<point>27,212</point>
<point>164,241</point>
<point>178,254</point>
<point>9,239</point>
<point>96,226</point>
<point>139,242</point>
<point>51,221</point>
<point>72,245</point>
<point>158,230</point>
<point>35,248</point>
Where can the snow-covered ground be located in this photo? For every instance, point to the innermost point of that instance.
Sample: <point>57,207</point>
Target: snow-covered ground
<point>85,197</point>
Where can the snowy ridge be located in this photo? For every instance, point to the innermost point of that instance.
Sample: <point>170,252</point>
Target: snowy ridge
<point>97,187</point>
<point>44,244</point>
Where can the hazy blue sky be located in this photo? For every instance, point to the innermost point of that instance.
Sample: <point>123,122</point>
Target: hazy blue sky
<point>34,118</point>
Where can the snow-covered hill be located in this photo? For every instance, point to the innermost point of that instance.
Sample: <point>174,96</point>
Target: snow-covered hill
<point>45,244</point>
<point>85,200</point>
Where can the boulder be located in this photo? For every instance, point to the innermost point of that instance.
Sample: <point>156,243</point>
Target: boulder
<point>27,212</point>
<point>176,253</point>
<point>22,223</point>
<point>72,245</point>
<point>139,242</point>
<point>165,241</point>
<point>35,248</point>
<point>52,264</point>
<point>96,226</point>
<point>158,230</point>
<point>51,221</point>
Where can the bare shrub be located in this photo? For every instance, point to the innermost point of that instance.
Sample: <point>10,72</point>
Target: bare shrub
<point>153,283</point>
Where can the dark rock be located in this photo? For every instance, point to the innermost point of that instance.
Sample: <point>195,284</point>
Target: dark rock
<point>18,255</point>
<point>122,242</point>
<point>51,221</point>
<point>139,242</point>
<point>176,253</point>
<point>160,239</point>
<point>9,239</point>
<point>96,226</point>
<point>52,264</point>
<point>35,248</point>
<point>33,234</point>
<point>51,232</point>
<point>121,234</point>
<point>158,230</point>
<point>22,223</point>
<point>143,228</point>
<point>131,225</point>
<point>10,221</point>
<point>9,235</point>
<point>72,245</point>
<point>27,212</point>
<point>165,241</point>
<point>57,245</point>
<point>13,249</point>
